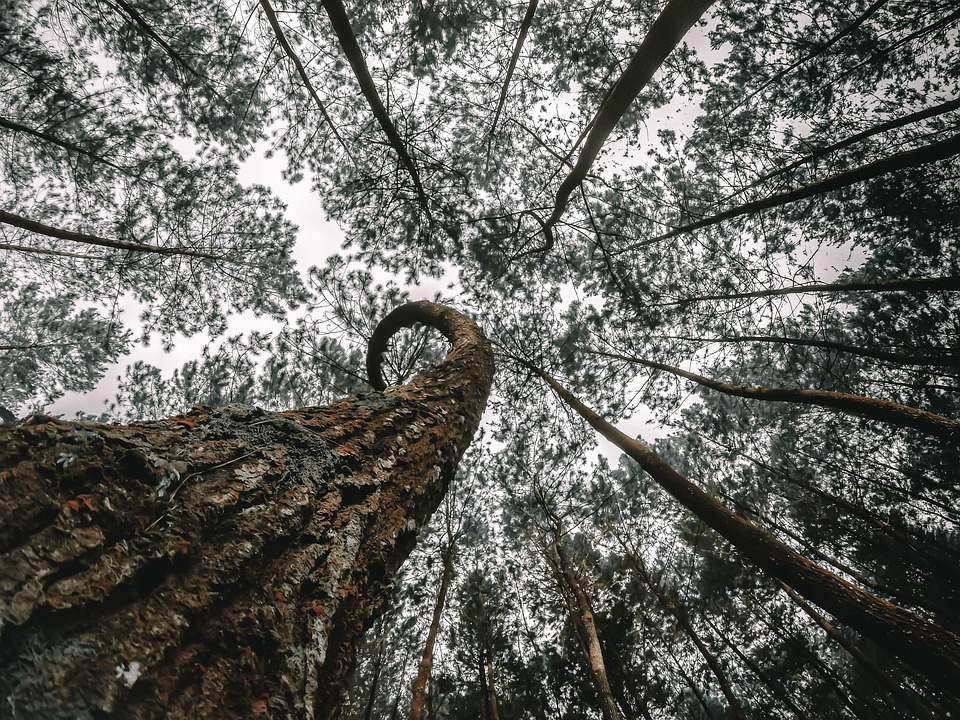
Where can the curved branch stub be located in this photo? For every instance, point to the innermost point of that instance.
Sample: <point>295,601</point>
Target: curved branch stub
<point>460,330</point>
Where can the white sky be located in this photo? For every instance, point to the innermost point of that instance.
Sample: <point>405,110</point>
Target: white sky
<point>317,239</point>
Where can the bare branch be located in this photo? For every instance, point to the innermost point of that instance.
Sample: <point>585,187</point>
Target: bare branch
<point>127,9</point>
<point>46,251</point>
<point>41,229</point>
<point>866,15</point>
<point>19,127</point>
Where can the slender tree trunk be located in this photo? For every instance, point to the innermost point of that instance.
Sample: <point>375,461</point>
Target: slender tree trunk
<point>691,683</point>
<point>7,218</point>
<point>226,561</point>
<point>932,650</point>
<point>934,152</point>
<point>581,613</point>
<point>302,72</point>
<point>482,680</point>
<point>426,662</point>
<point>491,689</point>
<point>340,23</point>
<point>480,624</point>
<point>512,65</point>
<point>940,356</point>
<point>873,408</point>
<point>916,285</point>
<point>676,18</point>
<point>375,681</point>
<point>775,687</point>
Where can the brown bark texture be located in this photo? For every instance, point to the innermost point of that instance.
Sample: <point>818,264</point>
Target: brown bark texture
<point>868,407</point>
<point>223,562</point>
<point>424,670</point>
<point>581,614</point>
<point>931,649</point>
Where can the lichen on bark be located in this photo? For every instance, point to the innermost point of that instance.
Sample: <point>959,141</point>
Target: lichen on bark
<point>225,561</point>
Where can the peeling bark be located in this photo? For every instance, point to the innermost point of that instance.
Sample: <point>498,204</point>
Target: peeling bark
<point>223,562</point>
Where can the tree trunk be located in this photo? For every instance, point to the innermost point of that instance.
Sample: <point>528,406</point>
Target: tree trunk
<point>931,649</point>
<point>676,18</point>
<point>933,357</point>
<point>868,407</point>
<point>223,562</point>
<point>581,613</point>
<point>340,23</point>
<point>8,218</point>
<point>491,689</point>
<point>426,662</point>
<point>884,680</point>
<point>934,152</point>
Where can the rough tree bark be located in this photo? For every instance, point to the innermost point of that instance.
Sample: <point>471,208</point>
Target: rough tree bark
<point>424,670</point>
<point>581,615</point>
<point>223,562</point>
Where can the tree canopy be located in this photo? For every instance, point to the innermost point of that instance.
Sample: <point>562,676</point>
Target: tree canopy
<point>728,228</point>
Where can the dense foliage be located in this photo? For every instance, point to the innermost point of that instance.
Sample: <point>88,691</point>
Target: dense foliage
<point>775,208</point>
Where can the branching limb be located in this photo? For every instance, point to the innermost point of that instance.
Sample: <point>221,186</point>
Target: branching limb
<point>351,49</point>
<point>302,72</point>
<point>41,229</point>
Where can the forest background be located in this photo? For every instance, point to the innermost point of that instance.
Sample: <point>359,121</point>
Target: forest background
<point>684,230</point>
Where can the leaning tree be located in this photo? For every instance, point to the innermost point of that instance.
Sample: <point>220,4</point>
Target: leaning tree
<point>227,560</point>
